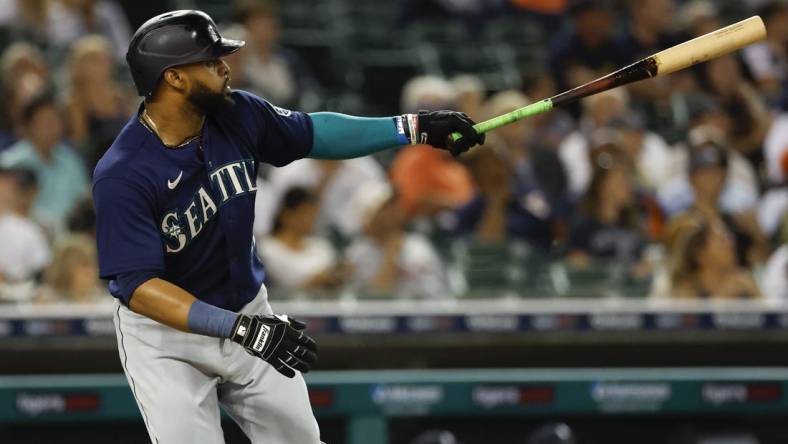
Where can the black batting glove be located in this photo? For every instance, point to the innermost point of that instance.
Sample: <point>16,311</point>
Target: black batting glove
<point>278,340</point>
<point>435,128</point>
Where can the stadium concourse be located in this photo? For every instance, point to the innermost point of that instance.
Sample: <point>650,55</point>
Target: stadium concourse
<point>646,226</point>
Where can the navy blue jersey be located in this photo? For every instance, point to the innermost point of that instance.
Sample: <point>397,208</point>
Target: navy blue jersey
<point>186,213</point>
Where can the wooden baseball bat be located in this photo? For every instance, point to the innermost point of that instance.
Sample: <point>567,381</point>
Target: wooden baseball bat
<point>683,55</point>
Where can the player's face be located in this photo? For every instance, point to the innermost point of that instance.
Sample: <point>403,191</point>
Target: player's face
<point>209,85</point>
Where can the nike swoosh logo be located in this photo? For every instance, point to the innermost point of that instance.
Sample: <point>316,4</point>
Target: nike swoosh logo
<point>171,184</point>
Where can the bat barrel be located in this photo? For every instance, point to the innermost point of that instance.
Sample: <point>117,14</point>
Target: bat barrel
<point>711,45</point>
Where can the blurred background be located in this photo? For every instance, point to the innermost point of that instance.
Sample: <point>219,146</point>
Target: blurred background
<point>612,272</point>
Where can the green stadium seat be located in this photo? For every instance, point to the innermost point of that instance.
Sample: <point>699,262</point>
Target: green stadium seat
<point>599,279</point>
<point>495,270</point>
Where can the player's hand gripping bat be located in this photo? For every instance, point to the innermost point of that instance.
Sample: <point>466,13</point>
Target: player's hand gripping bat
<point>697,50</point>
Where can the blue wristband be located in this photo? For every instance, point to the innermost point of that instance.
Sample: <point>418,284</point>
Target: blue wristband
<point>209,320</point>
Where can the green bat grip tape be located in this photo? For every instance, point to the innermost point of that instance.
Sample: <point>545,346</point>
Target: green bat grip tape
<point>510,117</point>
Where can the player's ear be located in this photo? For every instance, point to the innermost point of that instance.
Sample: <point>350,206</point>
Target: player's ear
<point>175,78</point>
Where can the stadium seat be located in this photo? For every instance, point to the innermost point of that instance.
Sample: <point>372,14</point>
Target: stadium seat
<point>494,270</point>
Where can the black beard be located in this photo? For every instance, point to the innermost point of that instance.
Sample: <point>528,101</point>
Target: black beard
<point>207,101</point>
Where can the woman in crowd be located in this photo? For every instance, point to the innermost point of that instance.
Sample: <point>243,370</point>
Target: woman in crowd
<point>704,263</point>
<point>73,274</point>
<point>707,168</point>
<point>97,105</point>
<point>749,118</point>
<point>387,260</point>
<point>296,259</point>
<point>609,226</point>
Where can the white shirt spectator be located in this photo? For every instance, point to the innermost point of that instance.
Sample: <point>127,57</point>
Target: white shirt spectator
<point>739,194</point>
<point>292,269</point>
<point>655,163</point>
<point>775,146</point>
<point>335,206</point>
<point>773,210</point>
<point>66,25</point>
<point>764,62</point>
<point>421,271</point>
<point>25,250</point>
<point>775,276</point>
<point>271,78</point>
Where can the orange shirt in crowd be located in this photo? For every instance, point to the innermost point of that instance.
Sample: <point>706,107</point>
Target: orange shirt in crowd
<point>543,6</point>
<point>428,180</point>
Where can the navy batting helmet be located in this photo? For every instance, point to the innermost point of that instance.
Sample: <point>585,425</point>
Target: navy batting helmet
<point>171,39</point>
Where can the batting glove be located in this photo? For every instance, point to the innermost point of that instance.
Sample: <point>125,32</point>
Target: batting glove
<point>435,128</point>
<point>278,340</point>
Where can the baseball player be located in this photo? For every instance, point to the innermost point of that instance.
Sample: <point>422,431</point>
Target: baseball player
<point>174,198</point>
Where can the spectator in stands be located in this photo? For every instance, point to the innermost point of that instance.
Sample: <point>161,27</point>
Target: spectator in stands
<point>749,119</point>
<point>649,152</point>
<point>511,139</point>
<point>502,208</point>
<point>7,190</point>
<point>486,217</point>
<point>651,28</point>
<point>332,180</point>
<point>548,130</point>
<point>25,249</point>
<point>469,95</point>
<point>72,19</point>
<point>27,190</point>
<point>773,206</point>
<point>590,49</point>
<point>26,20</point>
<point>82,218</point>
<point>386,260</point>
<point>775,275</point>
<point>698,17</point>
<point>653,159</point>
<point>59,169</point>
<point>704,263</point>
<point>98,107</point>
<point>609,226</point>
<point>708,124</point>
<point>537,203</point>
<point>24,73</point>
<point>775,150</point>
<point>707,165</point>
<point>546,7</point>
<point>294,257</point>
<point>271,71</point>
<point>73,275</point>
<point>427,180</point>
<point>768,60</point>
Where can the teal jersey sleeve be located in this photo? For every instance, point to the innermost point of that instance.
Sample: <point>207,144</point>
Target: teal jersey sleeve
<point>339,136</point>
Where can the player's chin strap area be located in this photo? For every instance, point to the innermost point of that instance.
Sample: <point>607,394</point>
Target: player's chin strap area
<point>278,340</point>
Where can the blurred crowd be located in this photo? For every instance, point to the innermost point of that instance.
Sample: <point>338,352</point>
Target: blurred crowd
<point>675,187</point>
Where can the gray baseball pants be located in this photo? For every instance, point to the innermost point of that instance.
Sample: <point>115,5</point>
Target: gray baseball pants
<point>181,379</point>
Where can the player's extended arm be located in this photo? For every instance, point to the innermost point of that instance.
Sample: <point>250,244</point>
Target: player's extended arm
<point>277,339</point>
<point>339,136</point>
